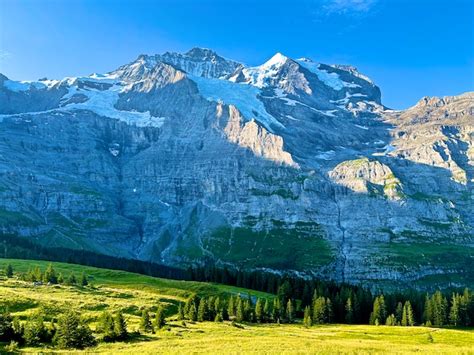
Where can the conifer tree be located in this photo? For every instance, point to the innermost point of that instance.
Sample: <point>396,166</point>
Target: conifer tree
<point>284,292</point>
<point>290,312</point>
<point>71,279</point>
<point>180,312</point>
<point>267,311</point>
<point>105,326</point>
<point>218,317</point>
<point>391,320</point>
<point>248,310</point>
<point>454,316</point>
<point>60,278</point>
<point>231,307</point>
<point>73,332</point>
<point>120,326</point>
<point>50,275</point>
<point>217,306</point>
<point>202,310</point>
<point>192,313</point>
<point>159,317</point>
<point>276,310</point>
<point>259,315</point>
<point>428,310</point>
<point>329,311</point>
<point>34,331</point>
<point>407,315</point>
<point>399,313</point>
<point>9,271</point>
<point>378,314</point>
<point>240,316</point>
<point>84,281</point>
<point>319,311</point>
<point>307,319</point>
<point>349,311</point>
<point>145,323</point>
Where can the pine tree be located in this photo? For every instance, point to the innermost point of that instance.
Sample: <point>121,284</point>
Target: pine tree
<point>319,311</point>
<point>378,314</point>
<point>180,312</point>
<point>259,315</point>
<point>34,331</point>
<point>71,279</point>
<point>38,274</point>
<point>399,313</point>
<point>105,327</point>
<point>248,310</point>
<point>276,310</point>
<point>266,311</point>
<point>72,332</point>
<point>60,278</point>
<point>84,281</point>
<point>307,320</point>
<point>440,309</point>
<point>145,323</point>
<point>329,311</point>
<point>240,316</point>
<point>391,320</point>
<point>428,310</point>
<point>407,315</point>
<point>284,292</point>
<point>218,317</point>
<point>120,326</point>
<point>217,307</point>
<point>9,271</point>
<point>159,318</point>
<point>290,312</point>
<point>349,312</point>
<point>192,313</point>
<point>231,307</point>
<point>50,275</point>
<point>454,316</point>
<point>202,310</point>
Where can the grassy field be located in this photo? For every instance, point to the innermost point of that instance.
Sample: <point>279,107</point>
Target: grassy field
<point>114,290</point>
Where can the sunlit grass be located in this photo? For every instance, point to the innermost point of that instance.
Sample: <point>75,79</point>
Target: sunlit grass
<point>130,293</point>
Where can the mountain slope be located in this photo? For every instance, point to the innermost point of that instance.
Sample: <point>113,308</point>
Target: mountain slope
<point>291,165</point>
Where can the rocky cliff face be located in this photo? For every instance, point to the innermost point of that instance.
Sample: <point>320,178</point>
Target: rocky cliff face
<point>291,165</point>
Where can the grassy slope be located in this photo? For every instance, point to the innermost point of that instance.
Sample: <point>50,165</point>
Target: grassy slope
<point>130,292</point>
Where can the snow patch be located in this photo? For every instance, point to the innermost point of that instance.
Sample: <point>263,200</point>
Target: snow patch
<point>102,103</point>
<point>329,79</point>
<point>242,96</point>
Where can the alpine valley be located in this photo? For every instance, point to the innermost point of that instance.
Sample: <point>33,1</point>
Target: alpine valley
<point>292,165</point>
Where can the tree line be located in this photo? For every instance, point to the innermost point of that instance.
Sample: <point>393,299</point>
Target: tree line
<point>328,303</point>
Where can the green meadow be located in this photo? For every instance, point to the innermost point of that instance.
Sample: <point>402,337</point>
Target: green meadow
<point>131,293</point>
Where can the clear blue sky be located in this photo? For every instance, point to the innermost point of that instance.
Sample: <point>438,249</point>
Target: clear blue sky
<point>410,48</point>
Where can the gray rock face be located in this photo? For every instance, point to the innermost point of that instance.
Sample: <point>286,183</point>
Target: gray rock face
<point>291,165</point>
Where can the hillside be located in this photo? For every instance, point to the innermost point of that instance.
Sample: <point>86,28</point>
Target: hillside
<point>116,290</point>
<point>187,158</point>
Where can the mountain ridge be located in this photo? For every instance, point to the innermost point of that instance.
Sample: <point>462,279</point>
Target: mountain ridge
<point>291,165</point>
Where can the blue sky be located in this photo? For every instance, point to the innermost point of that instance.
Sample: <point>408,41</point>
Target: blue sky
<point>410,48</point>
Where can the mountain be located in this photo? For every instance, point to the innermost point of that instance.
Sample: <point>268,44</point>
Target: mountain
<point>292,165</point>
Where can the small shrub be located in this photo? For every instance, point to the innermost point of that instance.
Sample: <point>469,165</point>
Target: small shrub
<point>12,347</point>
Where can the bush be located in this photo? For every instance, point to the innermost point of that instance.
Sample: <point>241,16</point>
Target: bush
<point>6,327</point>
<point>12,347</point>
